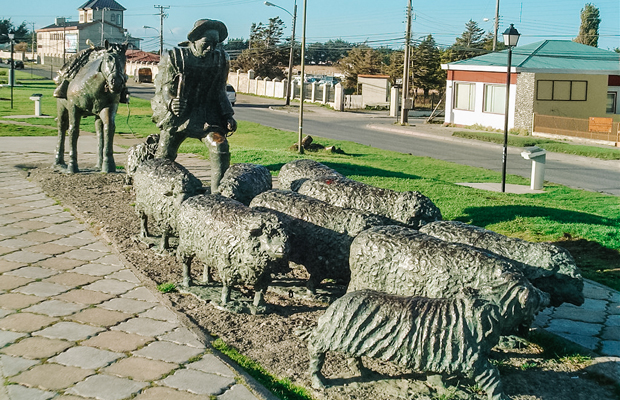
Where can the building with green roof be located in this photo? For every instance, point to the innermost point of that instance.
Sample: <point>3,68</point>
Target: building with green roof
<point>557,78</point>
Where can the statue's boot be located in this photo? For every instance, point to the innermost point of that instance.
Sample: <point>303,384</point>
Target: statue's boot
<point>219,155</point>
<point>61,90</point>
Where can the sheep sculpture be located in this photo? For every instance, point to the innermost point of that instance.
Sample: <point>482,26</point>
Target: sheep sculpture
<point>139,153</point>
<point>161,186</point>
<point>320,234</point>
<point>244,245</point>
<point>294,173</point>
<point>242,182</point>
<point>550,268</point>
<point>430,335</point>
<point>403,261</point>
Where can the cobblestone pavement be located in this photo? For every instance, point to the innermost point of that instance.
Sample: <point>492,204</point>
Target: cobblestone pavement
<point>76,323</point>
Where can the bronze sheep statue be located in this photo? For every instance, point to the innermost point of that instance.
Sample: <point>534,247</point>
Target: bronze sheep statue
<point>296,172</point>
<point>243,182</point>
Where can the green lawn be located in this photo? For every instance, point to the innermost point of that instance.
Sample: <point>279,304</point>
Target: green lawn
<point>561,214</point>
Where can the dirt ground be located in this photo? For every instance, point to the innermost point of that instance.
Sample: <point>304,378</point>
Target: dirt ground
<point>103,202</point>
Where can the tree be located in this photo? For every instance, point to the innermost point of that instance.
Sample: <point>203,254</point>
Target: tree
<point>267,35</point>
<point>426,66</point>
<point>21,32</point>
<point>361,60</point>
<point>588,30</point>
<point>470,44</point>
<point>328,52</point>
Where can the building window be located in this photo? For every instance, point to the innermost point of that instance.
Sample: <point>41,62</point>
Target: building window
<point>612,101</point>
<point>465,96</point>
<point>495,99</point>
<point>562,90</point>
<point>89,16</point>
<point>81,17</point>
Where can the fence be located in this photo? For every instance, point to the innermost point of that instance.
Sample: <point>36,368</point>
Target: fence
<point>607,133</point>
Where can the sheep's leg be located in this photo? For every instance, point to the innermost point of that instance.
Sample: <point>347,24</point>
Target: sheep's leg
<point>259,297</point>
<point>225,293</point>
<point>317,359</point>
<point>187,265</point>
<point>165,239</point>
<point>487,377</point>
<point>144,222</point>
<point>206,274</point>
<point>313,283</point>
<point>356,365</point>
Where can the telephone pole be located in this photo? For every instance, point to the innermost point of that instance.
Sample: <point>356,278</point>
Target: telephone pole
<point>496,26</point>
<point>162,15</point>
<point>404,115</point>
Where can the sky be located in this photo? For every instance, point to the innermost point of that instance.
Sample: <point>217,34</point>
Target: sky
<point>380,22</point>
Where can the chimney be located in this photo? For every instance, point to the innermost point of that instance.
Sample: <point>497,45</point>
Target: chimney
<point>60,21</point>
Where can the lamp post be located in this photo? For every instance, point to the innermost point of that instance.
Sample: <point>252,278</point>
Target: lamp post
<point>12,77</point>
<point>161,40</point>
<point>511,37</point>
<point>302,91</point>
<point>290,61</point>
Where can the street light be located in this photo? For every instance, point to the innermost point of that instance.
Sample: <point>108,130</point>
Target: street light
<point>511,37</point>
<point>12,77</point>
<point>161,39</point>
<point>290,61</point>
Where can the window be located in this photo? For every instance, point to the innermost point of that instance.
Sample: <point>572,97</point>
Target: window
<point>495,99</point>
<point>612,98</point>
<point>465,96</point>
<point>81,17</point>
<point>562,90</point>
<point>89,16</point>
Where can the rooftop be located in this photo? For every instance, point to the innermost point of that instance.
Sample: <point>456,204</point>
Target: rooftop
<point>101,4</point>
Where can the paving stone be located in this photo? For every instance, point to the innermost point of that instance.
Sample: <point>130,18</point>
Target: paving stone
<point>32,197</point>
<point>68,331</point>
<point>97,246</point>
<point>105,387</point>
<point>125,275</point>
<point>19,392</point>
<point>8,337</point>
<point>55,308</point>
<point>183,336</point>
<point>14,365</point>
<point>52,376</point>
<point>9,265</point>
<point>8,282</point>
<point>608,367</point>
<point>145,326</point>
<point>17,301</point>
<point>50,249</point>
<point>97,269</point>
<point>84,255</point>
<point>86,235</point>
<point>12,209</point>
<point>86,357</point>
<point>591,304</point>
<point>126,305</point>
<point>198,382</point>
<point>4,313</point>
<point>72,280</point>
<point>613,320</point>
<point>170,352</point>
<point>33,272</point>
<point>611,333</point>
<point>55,218</point>
<point>587,341</point>
<point>614,308</point>
<point>591,291</point>
<point>580,314</point>
<point>237,392</point>
<point>141,293</point>
<point>574,327</point>
<point>13,230</point>
<point>165,393</point>
<point>43,289</point>
<point>212,365</point>
<point>161,313</point>
<point>5,220</point>
<point>24,215</point>
<point>68,228</point>
<point>118,341</point>
<point>611,348</point>
<point>16,243</point>
<point>84,296</point>
<point>6,250</point>
<point>39,237</point>
<point>100,317</point>
<point>111,286</point>
<point>140,369</point>
<point>24,256</point>
<point>37,347</point>
<point>25,322</point>
<point>111,260</point>
<point>33,225</point>
<point>61,264</point>
<point>73,241</point>
<point>55,209</point>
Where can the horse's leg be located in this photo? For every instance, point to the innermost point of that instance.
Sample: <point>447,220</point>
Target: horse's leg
<point>107,116</point>
<point>74,132</point>
<point>63,125</point>
<point>99,131</point>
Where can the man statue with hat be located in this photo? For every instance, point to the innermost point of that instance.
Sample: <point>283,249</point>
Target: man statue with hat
<point>190,97</point>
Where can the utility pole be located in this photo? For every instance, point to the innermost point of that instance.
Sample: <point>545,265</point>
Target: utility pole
<point>162,15</point>
<point>302,92</point>
<point>32,23</point>
<point>496,27</point>
<point>404,115</point>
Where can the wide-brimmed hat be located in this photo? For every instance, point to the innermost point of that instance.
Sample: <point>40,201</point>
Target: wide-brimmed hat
<point>203,25</point>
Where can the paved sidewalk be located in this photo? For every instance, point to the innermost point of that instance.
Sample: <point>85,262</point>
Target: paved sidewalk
<point>76,323</point>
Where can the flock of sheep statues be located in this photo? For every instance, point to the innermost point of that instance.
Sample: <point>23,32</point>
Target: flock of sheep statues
<point>428,294</point>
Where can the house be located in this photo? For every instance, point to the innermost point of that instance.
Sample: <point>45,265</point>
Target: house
<point>98,20</point>
<point>375,90</point>
<point>558,79</point>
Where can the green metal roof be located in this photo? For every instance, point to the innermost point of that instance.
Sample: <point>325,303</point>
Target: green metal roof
<point>549,55</point>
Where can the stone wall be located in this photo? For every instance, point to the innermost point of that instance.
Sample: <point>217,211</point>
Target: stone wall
<point>524,102</point>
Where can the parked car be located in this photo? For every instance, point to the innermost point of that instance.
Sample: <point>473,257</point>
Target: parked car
<point>19,64</point>
<point>144,75</point>
<point>232,95</point>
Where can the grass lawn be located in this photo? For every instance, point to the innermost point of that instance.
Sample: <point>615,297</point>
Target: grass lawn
<point>577,219</point>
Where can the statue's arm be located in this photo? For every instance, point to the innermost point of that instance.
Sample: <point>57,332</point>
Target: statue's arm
<point>225,106</point>
<point>170,81</point>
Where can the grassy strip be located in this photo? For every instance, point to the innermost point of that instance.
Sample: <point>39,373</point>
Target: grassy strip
<point>547,144</point>
<point>24,130</point>
<point>283,388</point>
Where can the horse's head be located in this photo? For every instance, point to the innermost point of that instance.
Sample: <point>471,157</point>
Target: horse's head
<point>113,67</point>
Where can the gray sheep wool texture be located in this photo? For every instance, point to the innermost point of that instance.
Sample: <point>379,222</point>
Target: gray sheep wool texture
<point>550,268</point>
<point>403,261</point>
<point>243,182</point>
<point>139,153</point>
<point>294,173</point>
<point>430,335</point>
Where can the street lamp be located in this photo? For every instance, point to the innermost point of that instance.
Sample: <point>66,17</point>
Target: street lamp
<point>161,39</point>
<point>511,37</point>
<point>290,61</point>
<point>12,77</point>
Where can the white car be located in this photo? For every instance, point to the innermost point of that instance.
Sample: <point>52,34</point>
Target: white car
<point>232,95</point>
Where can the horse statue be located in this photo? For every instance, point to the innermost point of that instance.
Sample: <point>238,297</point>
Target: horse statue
<point>92,84</point>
